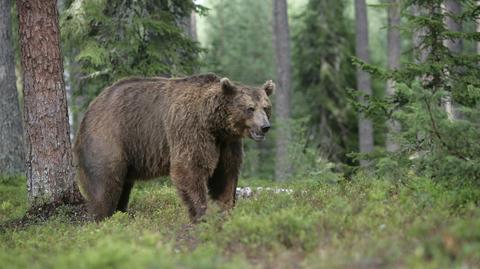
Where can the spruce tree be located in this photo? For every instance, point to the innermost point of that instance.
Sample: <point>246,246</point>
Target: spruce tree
<point>431,143</point>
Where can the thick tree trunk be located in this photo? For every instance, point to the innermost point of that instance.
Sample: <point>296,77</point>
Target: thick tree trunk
<point>11,130</point>
<point>48,155</point>
<point>393,40</point>
<point>365,125</point>
<point>281,43</point>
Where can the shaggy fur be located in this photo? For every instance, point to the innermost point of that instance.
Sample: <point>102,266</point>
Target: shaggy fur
<point>189,128</point>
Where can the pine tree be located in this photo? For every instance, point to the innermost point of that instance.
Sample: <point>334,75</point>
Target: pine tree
<point>110,40</point>
<point>322,46</point>
<point>364,84</point>
<point>394,52</point>
<point>11,130</point>
<point>431,143</point>
<point>281,42</point>
<point>48,156</point>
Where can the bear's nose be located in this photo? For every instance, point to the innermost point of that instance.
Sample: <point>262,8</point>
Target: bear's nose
<point>265,128</point>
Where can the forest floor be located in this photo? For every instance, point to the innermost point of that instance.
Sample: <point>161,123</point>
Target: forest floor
<point>362,223</point>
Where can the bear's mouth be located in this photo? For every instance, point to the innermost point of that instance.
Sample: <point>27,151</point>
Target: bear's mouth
<point>256,136</point>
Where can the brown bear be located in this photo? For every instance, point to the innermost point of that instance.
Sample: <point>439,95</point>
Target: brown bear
<point>190,128</point>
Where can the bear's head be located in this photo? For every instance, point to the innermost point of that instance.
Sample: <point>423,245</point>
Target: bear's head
<point>249,109</point>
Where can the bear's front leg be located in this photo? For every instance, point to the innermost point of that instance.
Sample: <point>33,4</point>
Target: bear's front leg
<point>222,184</point>
<point>191,184</point>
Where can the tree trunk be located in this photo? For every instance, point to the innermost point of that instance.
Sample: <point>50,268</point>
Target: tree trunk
<point>189,25</point>
<point>393,40</point>
<point>478,30</point>
<point>281,43</point>
<point>365,125</point>
<point>69,93</point>
<point>48,156</point>
<point>78,95</point>
<point>11,130</point>
<point>420,52</point>
<point>193,26</point>
<point>452,8</point>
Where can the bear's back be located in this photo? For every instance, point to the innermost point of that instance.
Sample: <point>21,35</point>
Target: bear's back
<point>132,113</point>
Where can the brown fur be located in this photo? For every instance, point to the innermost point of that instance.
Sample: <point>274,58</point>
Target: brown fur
<point>189,128</point>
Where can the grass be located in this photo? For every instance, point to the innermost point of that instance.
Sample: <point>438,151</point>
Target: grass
<point>363,223</point>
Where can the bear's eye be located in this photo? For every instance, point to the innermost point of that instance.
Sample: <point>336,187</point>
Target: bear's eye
<point>251,109</point>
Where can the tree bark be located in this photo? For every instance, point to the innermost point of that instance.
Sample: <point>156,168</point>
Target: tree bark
<point>48,155</point>
<point>478,29</point>
<point>78,95</point>
<point>452,8</point>
<point>11,130</point>
<point>393,40</point>
<point>189,25</point>
<point>193,26</point>
<point>281,43</point>
<point>420,52</point>
<point>365,125</point>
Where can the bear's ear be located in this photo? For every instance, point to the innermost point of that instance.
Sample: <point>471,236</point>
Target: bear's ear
<point>269,87</point>
<point>227,85</point>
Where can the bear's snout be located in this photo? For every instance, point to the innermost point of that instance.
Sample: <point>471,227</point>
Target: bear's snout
<point>265,128</point>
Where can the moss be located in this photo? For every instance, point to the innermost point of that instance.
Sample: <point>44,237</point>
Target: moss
<point>360,223</point>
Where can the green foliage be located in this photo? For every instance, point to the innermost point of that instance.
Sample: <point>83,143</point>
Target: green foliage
<point>309,161</point>
<point>322,45</point>
<point>239,45</point>
<point>239,40</point>
<point>13,197</point>
<point>105,40</point>
<point>433,142</point>
<point>349,224</point>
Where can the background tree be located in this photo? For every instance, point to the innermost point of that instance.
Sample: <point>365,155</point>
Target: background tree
<point>420,52</point>
<point>431,143</point>
<point>281,43</point>
<point>48,156</point>
<point>11,130</point>
<point>189,25</point>
<point>453,9</point>
<point>322,46</point>
<point>105,41</point>
<point>394,53</point>
<point>364,84</point>
<point>478,29</point>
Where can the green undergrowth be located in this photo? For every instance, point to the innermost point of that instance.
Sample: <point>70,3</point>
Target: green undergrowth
<point>362,223</point>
